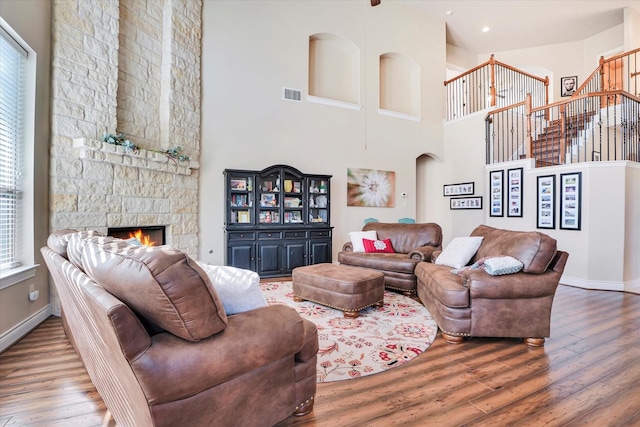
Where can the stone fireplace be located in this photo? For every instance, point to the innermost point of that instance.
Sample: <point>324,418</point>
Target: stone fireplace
<point>132,67</point>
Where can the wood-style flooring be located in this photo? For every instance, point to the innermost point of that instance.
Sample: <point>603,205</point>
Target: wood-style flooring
<point>588,373</point>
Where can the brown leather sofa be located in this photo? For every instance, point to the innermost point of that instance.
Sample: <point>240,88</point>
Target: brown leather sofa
<point>477,304</point>
<point>412,244</point>
<point>163,352</point>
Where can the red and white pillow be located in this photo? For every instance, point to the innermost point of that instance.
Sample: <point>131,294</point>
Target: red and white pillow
<point>379,246</point>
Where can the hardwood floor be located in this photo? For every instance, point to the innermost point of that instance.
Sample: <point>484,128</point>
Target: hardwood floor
<point>588,373</point>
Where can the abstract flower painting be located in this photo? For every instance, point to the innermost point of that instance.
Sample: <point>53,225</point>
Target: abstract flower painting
<point>370,187</point>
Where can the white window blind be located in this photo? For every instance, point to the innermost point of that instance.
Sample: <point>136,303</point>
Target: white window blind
<point>12,72</point>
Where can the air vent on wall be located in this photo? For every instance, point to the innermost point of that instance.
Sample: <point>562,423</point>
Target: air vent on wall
<point>291,94</point>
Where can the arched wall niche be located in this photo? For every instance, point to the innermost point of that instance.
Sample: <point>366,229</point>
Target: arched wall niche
<point>399,85</point>
<point>334,68</point>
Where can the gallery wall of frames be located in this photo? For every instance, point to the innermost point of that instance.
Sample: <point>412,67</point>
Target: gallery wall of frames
<point>558,197</point>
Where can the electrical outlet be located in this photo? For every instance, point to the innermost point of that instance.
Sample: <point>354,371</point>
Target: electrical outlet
<point>33,293</point>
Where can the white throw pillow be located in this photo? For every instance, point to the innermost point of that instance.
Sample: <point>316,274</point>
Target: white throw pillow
<point>357,236</point>
<point>459,251</point>
<point>238,289</point>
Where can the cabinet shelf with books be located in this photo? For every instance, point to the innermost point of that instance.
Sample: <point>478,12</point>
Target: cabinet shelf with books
<point>277,201</point>
<point>240,197</point>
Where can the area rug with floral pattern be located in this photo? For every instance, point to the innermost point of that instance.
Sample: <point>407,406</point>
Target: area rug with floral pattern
<point>377,340</point>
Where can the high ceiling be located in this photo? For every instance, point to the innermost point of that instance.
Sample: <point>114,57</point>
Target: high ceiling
<point>517,24</point>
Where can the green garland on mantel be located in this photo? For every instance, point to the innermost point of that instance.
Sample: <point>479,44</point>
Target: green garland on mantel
<point>122,140</point>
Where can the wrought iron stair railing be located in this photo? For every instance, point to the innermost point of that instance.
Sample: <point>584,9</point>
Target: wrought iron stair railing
<point>591,127</point>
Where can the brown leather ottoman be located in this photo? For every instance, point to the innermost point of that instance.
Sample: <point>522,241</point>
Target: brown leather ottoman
<point>342,287</point>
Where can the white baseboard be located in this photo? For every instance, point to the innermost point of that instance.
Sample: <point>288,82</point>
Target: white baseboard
<point>592,284</point>
<point>17,332</point>
<point>632,286</point>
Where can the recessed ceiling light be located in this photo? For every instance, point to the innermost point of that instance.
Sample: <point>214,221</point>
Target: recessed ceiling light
<point>485,29</point>
<point>449,12</point>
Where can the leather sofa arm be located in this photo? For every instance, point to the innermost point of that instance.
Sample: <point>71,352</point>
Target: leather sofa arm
<point>310,347</point>
<point>347,247</point>
<point>262,336</point>
<point>423,253</point>
<point>435,255</point>
<point>509,286</point>
<point>558,262</point>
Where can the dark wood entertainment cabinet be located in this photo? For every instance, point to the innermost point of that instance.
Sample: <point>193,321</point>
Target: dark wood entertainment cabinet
<point>277,219</point>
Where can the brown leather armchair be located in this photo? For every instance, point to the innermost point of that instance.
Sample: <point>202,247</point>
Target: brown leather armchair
<point>412,244</point>
<point>477,304</point>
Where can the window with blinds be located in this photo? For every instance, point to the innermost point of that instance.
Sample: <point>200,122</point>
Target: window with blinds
<point>12,71</point>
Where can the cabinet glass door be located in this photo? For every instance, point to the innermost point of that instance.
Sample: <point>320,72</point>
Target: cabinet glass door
<point>241,199</point>
<point>293,202</point>
<point>269,199</point>
<point>318,200</point>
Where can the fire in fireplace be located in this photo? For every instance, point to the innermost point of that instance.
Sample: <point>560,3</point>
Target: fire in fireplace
<point>148,236</point>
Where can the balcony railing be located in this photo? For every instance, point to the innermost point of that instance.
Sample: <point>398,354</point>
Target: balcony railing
<point>492,84</point>
<point>591,127</point>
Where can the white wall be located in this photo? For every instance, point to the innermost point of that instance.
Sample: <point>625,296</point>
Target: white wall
<point>18,315</point>
<point>462,160</point>
<point>631,28</point>
<point>252,49</point>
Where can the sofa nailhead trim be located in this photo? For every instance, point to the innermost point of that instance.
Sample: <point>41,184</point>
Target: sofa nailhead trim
<point>413,292</point>
<point>306,402</point>
<point>456,334</point>
<point>340,308</point>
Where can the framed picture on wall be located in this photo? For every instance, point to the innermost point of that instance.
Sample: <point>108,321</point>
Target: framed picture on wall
<point>546,201</point>
<point>570,200</point>
<point>464,189</point>
<point>514,192</point>
<point>568,85</point>
<point>496,188</point>
<point>465,203</point>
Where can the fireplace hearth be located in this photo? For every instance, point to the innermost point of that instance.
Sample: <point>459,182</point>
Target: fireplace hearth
<point>148,235</point>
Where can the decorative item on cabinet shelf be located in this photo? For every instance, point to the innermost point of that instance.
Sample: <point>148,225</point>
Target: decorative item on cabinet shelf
<point>288,186</point>
<point>268,200</point>
<point>296,187</point>
<point>240,217</point>
<point>244,217</point>
<point>239,184</point>
<point>294,217</point>
<point>240,200</point>
<point>292,202</point>
<point>320,187</point>
<point>268,217</point>
<point>321,216</point>
<point>321,201</point>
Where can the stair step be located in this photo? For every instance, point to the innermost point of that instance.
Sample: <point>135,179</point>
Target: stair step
<point>541,163</point>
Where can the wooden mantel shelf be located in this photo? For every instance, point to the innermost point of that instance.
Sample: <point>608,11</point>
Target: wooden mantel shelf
<point>92,149</point>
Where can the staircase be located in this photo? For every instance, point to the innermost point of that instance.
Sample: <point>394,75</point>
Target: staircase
<point>549,147</point>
